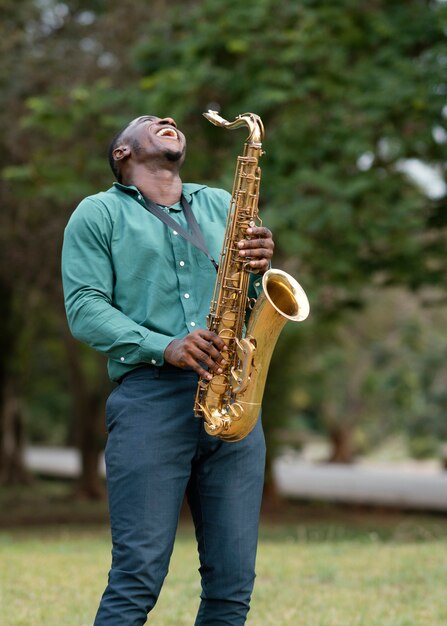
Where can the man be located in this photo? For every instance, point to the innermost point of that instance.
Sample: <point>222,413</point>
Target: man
<point>139,292</point>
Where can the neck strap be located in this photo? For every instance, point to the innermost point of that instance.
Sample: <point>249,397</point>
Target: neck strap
<point>195,236</point>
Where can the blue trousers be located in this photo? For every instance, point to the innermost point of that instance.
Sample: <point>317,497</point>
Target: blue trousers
<point>156,452</point>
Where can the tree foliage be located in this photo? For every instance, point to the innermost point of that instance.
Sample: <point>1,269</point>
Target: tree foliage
<point>333,82</point>
<point>348,93</point>
<point>351,95</point>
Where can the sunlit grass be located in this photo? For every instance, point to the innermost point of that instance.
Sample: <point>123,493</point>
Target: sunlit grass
<point>308,575</point>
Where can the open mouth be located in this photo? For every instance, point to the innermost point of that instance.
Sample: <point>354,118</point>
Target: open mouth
<point>169,133</point>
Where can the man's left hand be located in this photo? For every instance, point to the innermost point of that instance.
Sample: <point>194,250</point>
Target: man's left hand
<point>258,249</point>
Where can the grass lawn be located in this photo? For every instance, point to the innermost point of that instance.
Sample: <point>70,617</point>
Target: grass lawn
<point>320,569</point>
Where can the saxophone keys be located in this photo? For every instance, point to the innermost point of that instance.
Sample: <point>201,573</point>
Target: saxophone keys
<point>218,384</point>
<point>236,411</point>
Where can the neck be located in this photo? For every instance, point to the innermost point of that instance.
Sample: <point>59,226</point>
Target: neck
<point>162,186</point>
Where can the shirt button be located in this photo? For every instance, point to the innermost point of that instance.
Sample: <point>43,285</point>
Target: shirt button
<point>192,323</point>
<point>174,232</point>
<point>182,263</point>
<point>186,295</point>
<point>122,358</point>
<point>257,284</point>
<point>153,361</point>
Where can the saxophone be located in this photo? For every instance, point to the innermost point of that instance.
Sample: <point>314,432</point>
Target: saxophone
<point>231,401</point>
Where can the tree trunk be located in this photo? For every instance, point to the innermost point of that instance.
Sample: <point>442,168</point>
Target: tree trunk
<point>340,436</point>
<point>12,470</point>
<point>91,436</point>
<point>90,431</point>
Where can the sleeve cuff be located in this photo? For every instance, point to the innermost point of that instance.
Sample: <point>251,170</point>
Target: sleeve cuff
<point>255,286</point>
<point>153,347</point>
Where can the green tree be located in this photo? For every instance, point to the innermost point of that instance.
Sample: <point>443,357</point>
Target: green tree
<point>49,48</point>
<point>349,92</point>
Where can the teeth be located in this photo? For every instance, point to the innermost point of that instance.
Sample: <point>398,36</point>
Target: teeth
<point>167,132</point>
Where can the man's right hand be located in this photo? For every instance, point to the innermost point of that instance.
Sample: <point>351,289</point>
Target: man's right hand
<point>200,346</point>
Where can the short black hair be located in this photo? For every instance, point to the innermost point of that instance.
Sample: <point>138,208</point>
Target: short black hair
<point>115,166</point>
<point>114,144</point>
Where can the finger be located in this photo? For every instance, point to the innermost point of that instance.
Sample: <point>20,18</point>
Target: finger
<point>208,335</point>
<point>259,265</point>
<point>248,244</point>
<point>208,348</point>
<point>200,343</point>
<point>204,358</point>
<point>263,253</point>
<point>201,372</point>
<point>194,361</point>
<point>259,231</point>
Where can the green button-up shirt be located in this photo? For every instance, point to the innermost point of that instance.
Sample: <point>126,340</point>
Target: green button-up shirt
<point>131,284</point>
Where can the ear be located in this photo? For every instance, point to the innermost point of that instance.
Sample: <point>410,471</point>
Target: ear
<point>121,152</point>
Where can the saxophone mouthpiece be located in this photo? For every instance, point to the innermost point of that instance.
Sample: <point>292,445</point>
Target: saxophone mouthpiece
<point>252,121</point>
<point>214,118</point>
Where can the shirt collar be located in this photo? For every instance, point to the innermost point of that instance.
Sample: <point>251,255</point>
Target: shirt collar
<point>188,189</point>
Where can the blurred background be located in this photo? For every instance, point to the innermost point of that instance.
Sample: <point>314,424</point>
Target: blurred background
<point>353,98</point>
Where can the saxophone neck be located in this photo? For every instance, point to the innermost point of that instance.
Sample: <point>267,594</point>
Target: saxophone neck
<point>251,120</point>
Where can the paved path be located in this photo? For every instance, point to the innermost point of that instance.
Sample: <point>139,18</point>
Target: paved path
<point>412,486</point>
<point>388,485</point>
<point>62,462</point>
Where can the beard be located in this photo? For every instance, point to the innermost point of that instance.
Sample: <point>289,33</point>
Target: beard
<point>174,156</point>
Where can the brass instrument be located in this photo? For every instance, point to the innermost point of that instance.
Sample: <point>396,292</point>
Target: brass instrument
<point>231,401</point>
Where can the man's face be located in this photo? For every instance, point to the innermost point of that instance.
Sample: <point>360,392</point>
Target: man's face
<point>153,136</point>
